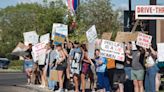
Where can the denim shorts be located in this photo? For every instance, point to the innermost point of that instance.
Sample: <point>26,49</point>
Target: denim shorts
<point>28,64</point>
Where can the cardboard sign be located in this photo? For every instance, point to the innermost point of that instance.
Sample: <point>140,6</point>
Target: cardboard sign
<point>30,37</point>
<point>39,53</point>
<point>20,50</point>
<point>59,39</point>
<point>114,50</point>
<point>45,38</point>
<point>91,34</point>
<point>59,28</point>
<point>91,49</point>
<point>126,36</point>
<point>147,12</point>
<point>144,40</point>
<point>160,47</point>
<point>106,35</point>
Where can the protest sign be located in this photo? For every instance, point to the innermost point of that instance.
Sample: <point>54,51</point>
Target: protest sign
<point>144,40</point>
<point>59,38</point>
<point>160,47</point>
<point>126,36</point>
<point>59,28</point>
<point>30,37</point>
<point>91,34</point>
<point>20,50</point>
<point>106,35</point>
<point>91,49</point>
<point>39,53</point>
<point>45,38</point>
<point>114,50</point>
<point>63,29</point>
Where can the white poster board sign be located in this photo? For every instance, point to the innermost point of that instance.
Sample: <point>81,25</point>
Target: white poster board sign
<point>147,12</point>
<point>59,28</point>
<point>30,37</point>
<point>91,49</point>
<point>39,53</point>
<point>160,47</point>
<point>91,34</point>
<point>45,38</point>
<point>114,50</point>
<point>144,40</point>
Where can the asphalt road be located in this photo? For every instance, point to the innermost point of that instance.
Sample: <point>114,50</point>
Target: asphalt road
<point>10,82</point>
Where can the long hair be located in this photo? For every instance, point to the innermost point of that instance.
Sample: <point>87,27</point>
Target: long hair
<point>84,47</point>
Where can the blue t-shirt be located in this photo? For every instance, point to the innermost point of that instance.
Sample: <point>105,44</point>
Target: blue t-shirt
<point>102,67</point>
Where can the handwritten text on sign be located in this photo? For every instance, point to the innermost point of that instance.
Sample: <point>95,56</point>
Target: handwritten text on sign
<point>144,40</point>
<point>112,50</point>
<point>39,53</point>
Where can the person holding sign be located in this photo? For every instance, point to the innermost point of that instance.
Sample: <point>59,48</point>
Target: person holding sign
<point>103,81</point>
<point>61,65</point>
<point>151,70</point>
<point>28,64</point>
<point>137,72</point>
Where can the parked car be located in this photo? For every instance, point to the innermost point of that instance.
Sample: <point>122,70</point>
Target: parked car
<point>4,63</point>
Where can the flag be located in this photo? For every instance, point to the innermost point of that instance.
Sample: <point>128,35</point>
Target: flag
<point>72,5</point>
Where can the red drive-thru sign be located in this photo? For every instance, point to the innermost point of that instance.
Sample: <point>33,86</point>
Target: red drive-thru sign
<point>149,12</point>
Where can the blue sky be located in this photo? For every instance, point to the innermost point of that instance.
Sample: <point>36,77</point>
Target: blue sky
<point>116,3</point>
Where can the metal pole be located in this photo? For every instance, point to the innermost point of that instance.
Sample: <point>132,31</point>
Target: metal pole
<point>130,14</point>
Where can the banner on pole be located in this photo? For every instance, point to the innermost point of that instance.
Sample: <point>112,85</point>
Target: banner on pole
<point>160,47</point>
<point>91,34</point>
<point>114,50</point>
<point>144,40</point>
<point>30,38</point>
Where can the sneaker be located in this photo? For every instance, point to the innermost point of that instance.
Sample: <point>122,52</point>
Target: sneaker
<point>59,90</point>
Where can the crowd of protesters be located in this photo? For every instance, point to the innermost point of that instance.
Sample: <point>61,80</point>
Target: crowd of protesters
<point>140,72</point>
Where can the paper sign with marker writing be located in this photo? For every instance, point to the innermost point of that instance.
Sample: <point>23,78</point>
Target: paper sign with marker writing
<point>114,50</point>
<point>30,37</point>
<point>91,34</point>
<point>160,47</point>
<point>39,53</point>
<point>144,40</point>
<point>45,38</point>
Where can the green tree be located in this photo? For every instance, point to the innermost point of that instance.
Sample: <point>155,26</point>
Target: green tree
<point>14,20</point>
<point>99,13</point>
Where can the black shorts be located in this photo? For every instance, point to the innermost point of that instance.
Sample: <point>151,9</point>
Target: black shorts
<point>119,76</point>
<point>60,68</point>
<point>41,67</point>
